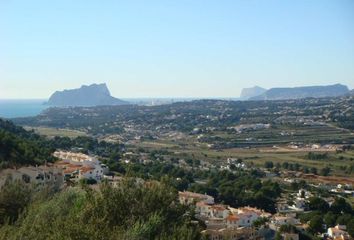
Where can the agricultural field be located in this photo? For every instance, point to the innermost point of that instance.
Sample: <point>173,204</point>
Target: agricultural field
<point>338,161</point>
<point>52,132</point>
<point>279,134</point>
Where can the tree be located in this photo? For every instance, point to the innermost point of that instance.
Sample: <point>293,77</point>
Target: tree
<point>344,219</point>
<point>317,203</point>
<point>14,197</point>
<point>278,236</point>
<point>287,228</point>
<point>325,171</point>
<point>313,170</point>
<point>341,206</point>
<point>315,224</point>
<point>350,227</point>
<point>260,222</point>
<point>268,164</point>
<point>285,165</point>
<point>111,213</point>
<point>330,219</point>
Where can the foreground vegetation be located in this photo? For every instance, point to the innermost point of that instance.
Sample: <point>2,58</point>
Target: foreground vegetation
<point>130,211</point>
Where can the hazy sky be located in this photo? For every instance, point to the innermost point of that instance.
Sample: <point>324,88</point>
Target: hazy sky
<point>173,48</point>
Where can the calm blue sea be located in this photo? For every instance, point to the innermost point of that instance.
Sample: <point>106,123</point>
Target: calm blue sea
<point>12,108</point>
<point>21,108</point>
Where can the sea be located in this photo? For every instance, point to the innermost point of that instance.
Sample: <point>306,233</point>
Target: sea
<point>14,108</point>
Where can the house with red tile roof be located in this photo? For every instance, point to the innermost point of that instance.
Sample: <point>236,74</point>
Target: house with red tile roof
<point>80,166</point>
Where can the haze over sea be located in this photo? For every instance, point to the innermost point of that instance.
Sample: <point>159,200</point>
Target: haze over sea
<point>11,108</point>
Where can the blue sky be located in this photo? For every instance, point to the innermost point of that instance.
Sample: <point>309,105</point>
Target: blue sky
<point>173,48</point>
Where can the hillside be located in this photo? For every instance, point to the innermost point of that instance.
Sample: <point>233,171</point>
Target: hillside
<point>206,116</point>
<point>92,95</point>
<point>19,147</point>
<point>303,92</point>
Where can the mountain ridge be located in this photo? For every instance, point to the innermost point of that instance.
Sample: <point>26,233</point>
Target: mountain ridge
<point>86,95</point>
<point>303,92</point>
<point>247,93</point>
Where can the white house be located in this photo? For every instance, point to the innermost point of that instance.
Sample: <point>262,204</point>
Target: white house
<point>95,172</point>
<point>79,166</point>
<point>220,211</point>
<point>247,215</point>
<point>203,209</point>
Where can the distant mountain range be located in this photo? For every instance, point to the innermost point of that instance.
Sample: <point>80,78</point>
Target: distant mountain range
<point>92,95</point>
<point>296,92</point>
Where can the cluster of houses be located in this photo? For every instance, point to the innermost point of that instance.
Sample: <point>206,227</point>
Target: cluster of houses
<point>233,163</point>
<point>71,165</point>
<point>80,166</point>
<point>225,222</point>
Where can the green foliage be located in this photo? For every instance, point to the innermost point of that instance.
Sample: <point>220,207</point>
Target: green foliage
<point>317,156</point>
<point>340,205</point>
<point>14,197</point>
<point>278,236</point>
<point>287,228</point>
<point>317,203</point>
<point>88,145</point>
<point>325,171</point>
<point>350,227</point>
<point>129,211</point>
<point>19,147</point>
<point>330,218</point>
<point>89,181</point>
<point>316,224</point>
<point>268,164</point>
<point>340,212</point>
<point>240,189</point>
<point>260,222</point>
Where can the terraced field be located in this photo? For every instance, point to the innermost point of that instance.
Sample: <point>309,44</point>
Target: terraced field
<point>279,135</point>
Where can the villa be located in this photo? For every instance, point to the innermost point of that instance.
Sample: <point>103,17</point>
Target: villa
<point>80,166</point>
